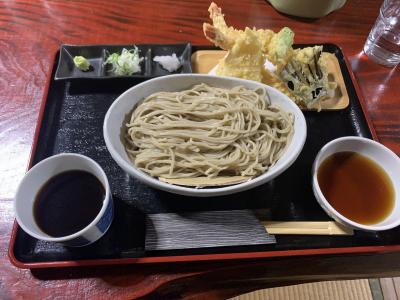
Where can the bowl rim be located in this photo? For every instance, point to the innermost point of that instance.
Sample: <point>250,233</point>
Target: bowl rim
<point>203,192</point>
<point>79,233</point>
<point>323,202</point>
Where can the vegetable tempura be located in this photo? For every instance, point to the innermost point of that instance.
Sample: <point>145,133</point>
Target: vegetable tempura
<point>300,73</point>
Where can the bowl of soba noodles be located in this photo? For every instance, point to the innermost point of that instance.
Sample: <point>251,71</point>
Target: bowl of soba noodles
<point>203,135</point>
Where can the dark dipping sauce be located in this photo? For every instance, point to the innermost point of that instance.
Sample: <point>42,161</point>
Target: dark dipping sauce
<point>68,202</point>
<point>357,187</point>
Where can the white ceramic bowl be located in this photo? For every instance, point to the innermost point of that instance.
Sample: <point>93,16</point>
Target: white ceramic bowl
<point>384,157</point>
<point>38,175</point>
<point>118,111</point>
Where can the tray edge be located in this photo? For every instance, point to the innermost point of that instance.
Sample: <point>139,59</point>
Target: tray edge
<point>32,151</point>
<point>360,96</point>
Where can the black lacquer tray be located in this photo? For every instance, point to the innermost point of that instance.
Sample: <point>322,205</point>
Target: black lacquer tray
<point>71,120</point>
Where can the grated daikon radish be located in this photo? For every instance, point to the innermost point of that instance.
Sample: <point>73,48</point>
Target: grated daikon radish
<point>170,63</point>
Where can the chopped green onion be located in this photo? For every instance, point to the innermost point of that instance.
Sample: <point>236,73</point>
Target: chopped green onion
<point>81,63</point>
<point>126,63</point>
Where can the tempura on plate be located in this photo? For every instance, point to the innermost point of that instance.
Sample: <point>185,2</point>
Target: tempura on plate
<point>265,56</point>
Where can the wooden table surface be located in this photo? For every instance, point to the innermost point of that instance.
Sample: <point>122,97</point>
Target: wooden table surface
<point>30,34</point>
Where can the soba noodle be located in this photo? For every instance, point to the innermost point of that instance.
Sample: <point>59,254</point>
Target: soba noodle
<point>207,131</point>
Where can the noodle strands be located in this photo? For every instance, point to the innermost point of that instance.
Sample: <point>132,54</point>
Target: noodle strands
<point>205,181</point>
<point>207,132</point>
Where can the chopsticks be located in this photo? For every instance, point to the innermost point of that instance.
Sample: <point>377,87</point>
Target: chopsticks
<point>309,228</point>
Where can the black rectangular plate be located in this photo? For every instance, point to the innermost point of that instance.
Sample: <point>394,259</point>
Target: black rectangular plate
<point>97,54</point>
<point>72,122</point>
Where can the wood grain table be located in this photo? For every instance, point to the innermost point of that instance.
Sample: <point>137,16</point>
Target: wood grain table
<point>30,34</point>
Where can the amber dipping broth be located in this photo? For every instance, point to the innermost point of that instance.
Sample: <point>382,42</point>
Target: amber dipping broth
<point>357,187</point>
